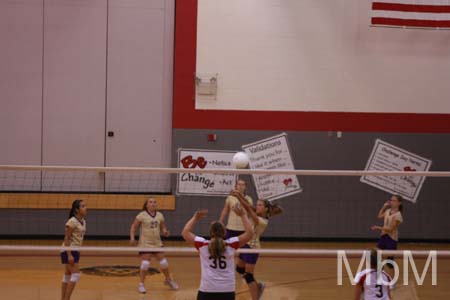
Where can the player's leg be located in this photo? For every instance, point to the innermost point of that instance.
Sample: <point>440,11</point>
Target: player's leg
<point>145,264</point>
<point>251,282</point>
<point>164,267</point>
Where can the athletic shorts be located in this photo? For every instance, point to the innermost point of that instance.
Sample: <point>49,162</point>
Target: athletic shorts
<point>249,258</point>
<point>65,257</point>
<point>215,296</point>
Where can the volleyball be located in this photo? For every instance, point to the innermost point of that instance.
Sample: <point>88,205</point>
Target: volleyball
<point>240,160</point>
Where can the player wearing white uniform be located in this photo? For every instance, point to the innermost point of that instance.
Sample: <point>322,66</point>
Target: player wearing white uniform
<point>217,256</point>
<point>371,285</point>
<point>151,223</point>
<point>74,235</point>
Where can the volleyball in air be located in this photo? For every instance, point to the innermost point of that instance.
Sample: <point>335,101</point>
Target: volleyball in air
<point>240,160</point>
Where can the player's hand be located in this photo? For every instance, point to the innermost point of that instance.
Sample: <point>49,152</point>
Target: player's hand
<point>235,193</point>
<point>375,227</point>
<point>133,242</point>
<point>200,214</point>
<point>166,233</point>
<point>387,204</point>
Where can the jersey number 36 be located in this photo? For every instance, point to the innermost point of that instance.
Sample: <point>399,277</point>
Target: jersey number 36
<point>218,262</point>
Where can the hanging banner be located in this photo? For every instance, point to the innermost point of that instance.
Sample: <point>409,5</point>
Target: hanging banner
<point>205,184</point>
<point>272,154</point>
<point>387,157</point>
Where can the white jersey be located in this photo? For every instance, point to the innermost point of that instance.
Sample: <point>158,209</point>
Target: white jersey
<point>217,274</point>
<point>371,289</point>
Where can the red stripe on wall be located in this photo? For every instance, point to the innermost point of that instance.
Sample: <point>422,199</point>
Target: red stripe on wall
<point>411,7</point>
<point>186,116</point>
<point>410,23</point>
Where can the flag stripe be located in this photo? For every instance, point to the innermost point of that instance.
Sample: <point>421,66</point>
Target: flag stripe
<point>411,7</point>
<point>410,15</point>
<point>410,22</point>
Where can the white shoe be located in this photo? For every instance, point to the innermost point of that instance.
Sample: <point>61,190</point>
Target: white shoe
<point>261,287</point>
<point>142,289</point>
<point>172,284</point>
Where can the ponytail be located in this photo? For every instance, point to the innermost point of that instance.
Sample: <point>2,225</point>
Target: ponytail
<point>400,199</point>
<point>217,245</point>
<point>272,208</point>
<point>75,206</point>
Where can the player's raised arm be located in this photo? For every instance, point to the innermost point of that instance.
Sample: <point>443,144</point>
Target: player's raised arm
<point>248,233</point>
<point>187,233</point>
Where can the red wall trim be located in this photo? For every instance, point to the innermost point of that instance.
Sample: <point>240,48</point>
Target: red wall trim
<point>186,116</point>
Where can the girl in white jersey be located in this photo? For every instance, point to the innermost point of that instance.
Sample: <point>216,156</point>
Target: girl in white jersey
<point>246,262</point>
<point>151,223</point>
<point>217,256</point>
<point>74,234</point>
<point>373,284</point>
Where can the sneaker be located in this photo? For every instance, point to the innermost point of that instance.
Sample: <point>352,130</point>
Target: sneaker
<point>142,289</point>
<point>261,287</point>
<point>172,284</point>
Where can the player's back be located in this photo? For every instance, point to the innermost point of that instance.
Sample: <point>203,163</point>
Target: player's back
<point>374,289</point>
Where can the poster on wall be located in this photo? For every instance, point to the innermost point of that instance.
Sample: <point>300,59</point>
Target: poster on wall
<point>205,184</point>
<point>387,157</point>
<point>272,153</point>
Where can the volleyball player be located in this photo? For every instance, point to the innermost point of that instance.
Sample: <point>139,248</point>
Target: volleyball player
<point>371,284</point>
<point>247,261</point>
<point>217,255</point>
<point>391,212</point>
<point>151,223</point>
<point>234,225</point>
<point>73,237</point>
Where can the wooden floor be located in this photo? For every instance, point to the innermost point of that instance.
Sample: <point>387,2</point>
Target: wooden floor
<point>38,277</point>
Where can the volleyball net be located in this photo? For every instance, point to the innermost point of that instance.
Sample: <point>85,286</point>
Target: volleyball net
<point>319,206</point>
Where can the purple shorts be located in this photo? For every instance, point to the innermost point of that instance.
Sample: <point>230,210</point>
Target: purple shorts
<point>65,257</point>
<point>249,258</point>
<point>231,233</point>
<point>387,243</point>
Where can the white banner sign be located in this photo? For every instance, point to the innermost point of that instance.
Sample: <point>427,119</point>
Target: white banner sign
<point>205,184</point>
<point>387,157</point>
<point>272,153</point>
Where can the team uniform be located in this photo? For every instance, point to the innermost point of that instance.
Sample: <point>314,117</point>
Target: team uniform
<point>388,241</point>
<point>217,280</point>
<point>235,227</point>
<point>76,239</point>
<point>254,243</point>
<point>371,289</point>
<point>150,229</point>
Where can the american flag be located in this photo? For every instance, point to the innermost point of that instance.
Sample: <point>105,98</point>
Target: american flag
<point>411,13</point>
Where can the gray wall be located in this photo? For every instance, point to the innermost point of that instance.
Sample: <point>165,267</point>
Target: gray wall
<point>70,71</point>
<point>329,207</point>
<point>335,206</point>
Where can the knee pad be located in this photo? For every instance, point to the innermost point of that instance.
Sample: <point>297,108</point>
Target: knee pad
<point>240,270</point>
<point>66,278</point>
<point>249,278</point>
<point>145,264</point>
<point>75,277</point>
<point>163,263</point>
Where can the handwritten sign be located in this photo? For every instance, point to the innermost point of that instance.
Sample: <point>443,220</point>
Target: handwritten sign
<point>205,183</point>
<point>387,157</point>
<point>272,153</point>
